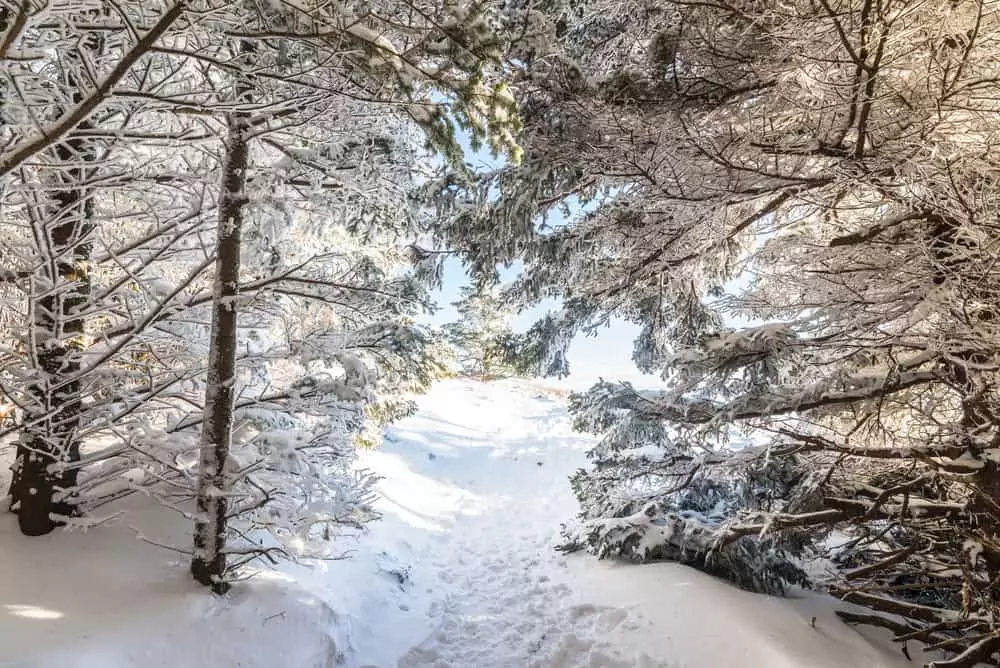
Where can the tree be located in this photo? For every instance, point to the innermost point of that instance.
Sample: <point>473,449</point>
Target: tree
<point>57,204</point>
<point>208,563</point>
<point>806,170</point>
<point>247,269</point>
<point>481,333</point>
<point>390,72</point>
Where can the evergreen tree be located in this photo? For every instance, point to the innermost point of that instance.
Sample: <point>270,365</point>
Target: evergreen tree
<point>482,333</point>
<point>208,287</point>
<point>807,169</point>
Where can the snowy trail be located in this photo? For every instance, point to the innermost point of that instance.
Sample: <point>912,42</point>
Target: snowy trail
<point>483,472</point>
<point>460,573</point>
<point>496,593</point>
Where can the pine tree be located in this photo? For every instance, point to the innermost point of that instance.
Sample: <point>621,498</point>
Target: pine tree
<point>805,172</point>
<point>243,310</point>
<point>481,334</point>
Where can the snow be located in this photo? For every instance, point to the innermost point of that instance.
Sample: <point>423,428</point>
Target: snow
<point>109,600</point>
<point>460,573</point>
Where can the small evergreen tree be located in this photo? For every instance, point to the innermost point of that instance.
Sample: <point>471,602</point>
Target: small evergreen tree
<point>481,333</point>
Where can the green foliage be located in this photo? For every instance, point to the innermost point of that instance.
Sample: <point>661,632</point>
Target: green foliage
<point>481,334</point>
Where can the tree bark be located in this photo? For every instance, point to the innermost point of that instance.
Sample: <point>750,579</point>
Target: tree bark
<point>208,565</point>
<point>39,489</point>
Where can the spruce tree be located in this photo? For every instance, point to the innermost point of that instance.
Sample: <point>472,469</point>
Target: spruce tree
<point>793,203</point>
<point>482,333</point>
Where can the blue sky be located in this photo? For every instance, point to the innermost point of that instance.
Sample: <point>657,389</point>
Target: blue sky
<point>606,355</point>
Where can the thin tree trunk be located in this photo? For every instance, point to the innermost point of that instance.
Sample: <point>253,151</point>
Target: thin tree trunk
<point>208,565</point>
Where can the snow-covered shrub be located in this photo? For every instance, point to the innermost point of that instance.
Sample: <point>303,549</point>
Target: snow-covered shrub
<point>691,538</point>
<point>650,496</point>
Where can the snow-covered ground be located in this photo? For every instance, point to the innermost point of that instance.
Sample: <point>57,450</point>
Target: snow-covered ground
<point>460,573</point>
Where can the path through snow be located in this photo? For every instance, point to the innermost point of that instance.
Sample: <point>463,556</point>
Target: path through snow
<point>499,594</point>
<point>476,485</point>
<point>460,573</point>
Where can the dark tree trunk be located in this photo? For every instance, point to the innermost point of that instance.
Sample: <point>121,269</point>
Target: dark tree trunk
<point>208,565</point>
<point>39,488</point>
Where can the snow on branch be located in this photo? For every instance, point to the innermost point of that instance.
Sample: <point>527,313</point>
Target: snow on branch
<point>781,400</point>
<point>15,157</point>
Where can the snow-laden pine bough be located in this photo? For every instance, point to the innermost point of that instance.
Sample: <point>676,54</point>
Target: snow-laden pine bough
<point>907,531</point>
<point>826,173</point>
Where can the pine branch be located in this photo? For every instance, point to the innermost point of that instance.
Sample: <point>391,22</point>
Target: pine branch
<point>777,403</point>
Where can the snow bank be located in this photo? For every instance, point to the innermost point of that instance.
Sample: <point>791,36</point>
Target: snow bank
<point>693,620</point>
<point>104,599</point>
<point>460,573</point>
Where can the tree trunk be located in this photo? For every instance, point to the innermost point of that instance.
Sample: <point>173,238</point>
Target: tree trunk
<point>978,396</point>
<point>208,566</point>
<point>60,295</point>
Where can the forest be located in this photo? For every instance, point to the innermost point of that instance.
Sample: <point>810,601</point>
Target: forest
<point>224,226</point>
